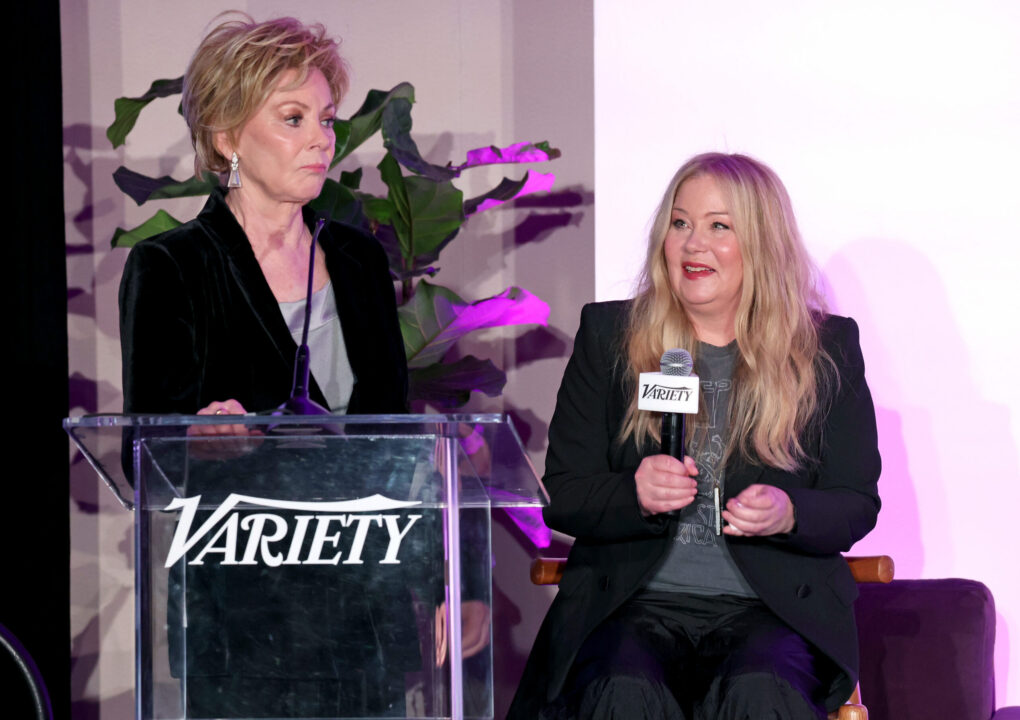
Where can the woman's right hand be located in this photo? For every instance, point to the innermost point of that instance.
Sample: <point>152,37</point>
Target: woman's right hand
<point>664,484</point>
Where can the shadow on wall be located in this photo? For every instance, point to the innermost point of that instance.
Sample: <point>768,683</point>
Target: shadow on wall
<point>911,345</point>
<point>541,343</point>
<point>85,654</point>
<point>881,319</point>
<point>564,208</point>
<point>550,212</point>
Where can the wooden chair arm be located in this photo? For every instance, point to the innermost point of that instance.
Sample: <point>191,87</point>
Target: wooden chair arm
<point>850,712</point>
<point>872,568</point>
<point>867,568</point>
<point>547,571</point>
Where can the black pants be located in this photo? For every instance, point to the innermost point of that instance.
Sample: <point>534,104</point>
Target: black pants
<point>670,656</point>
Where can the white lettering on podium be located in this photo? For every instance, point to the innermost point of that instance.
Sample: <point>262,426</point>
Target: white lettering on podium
<point>360,533</point>
<point>396,537</point>
<point>227,531</point>
<point>275,540</point>
<point>320,539</point>
<point>258,539</point>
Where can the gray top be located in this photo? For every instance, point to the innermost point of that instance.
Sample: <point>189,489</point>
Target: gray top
<point>698,561</point>
<point>330,366</point>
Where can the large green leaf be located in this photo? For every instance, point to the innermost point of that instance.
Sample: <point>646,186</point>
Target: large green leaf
<point>367,120</point>
<point>126,110</point>
<point>340,203</point>
<point>436,317</point>
<point>160,222</point>
<point>396,132</point>
<point>342,129</point>
<point>377,209</point>
<point>352,179</point>
<point>142,188</point>
<point>389,170</point>
<point>427,213</point>
<point>449,385</point>
<point>437,212</point>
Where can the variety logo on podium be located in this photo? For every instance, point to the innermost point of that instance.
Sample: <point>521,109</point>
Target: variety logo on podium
<point>273,539</point>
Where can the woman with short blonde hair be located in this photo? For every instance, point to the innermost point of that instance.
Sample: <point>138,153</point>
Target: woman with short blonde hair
<point>210,310</point>
<point>211,314</point>
<point>238,66</point>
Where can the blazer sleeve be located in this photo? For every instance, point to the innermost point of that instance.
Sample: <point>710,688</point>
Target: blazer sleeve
<point>842,505</point>
<point>160,361</point>
<point>590,498</point>
<point>389,365</point>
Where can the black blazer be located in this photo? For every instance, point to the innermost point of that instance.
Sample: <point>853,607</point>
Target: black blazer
<point>199,323</point>
<point>590,478</point>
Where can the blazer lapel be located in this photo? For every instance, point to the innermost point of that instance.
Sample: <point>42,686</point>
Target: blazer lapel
<point>345,273</point>
<point>252,283</point>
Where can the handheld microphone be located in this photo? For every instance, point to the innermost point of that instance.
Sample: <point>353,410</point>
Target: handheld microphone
<point>673,391</point>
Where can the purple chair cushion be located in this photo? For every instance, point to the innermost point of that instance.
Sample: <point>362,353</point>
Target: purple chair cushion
<point>926,649</point>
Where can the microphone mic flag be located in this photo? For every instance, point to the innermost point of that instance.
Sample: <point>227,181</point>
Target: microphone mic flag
<point>674,392</point>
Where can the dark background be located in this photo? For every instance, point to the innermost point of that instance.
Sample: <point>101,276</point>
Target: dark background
<point>34,531</point>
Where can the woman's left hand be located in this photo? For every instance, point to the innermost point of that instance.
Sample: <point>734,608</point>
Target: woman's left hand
<point>757,511</point>
<point>220,407</point>
<point>225,441</point>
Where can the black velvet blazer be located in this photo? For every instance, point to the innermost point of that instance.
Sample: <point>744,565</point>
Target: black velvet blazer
<point>199,323</point>
<point>590,478</point>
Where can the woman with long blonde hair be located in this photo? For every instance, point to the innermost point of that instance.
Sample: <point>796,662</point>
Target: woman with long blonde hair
<point>712,586</point>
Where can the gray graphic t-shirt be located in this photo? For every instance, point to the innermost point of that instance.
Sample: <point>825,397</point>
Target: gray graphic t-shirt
<point>698,561</point>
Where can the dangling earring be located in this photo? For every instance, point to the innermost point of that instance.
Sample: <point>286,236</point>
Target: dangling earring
<point>234,181</point>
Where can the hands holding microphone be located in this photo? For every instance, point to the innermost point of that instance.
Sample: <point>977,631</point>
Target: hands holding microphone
<point>666,482</point>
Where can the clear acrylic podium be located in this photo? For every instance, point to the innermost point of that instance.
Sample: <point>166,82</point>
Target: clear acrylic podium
<point>308,567</point>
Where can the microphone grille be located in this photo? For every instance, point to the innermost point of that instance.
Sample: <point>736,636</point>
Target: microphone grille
<point>676,362</point>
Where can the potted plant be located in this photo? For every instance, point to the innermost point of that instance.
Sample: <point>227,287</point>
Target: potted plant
<point>422,212</point>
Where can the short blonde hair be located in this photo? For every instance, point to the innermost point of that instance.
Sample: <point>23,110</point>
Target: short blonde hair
<point>237,67</point>
<point>782,373</point>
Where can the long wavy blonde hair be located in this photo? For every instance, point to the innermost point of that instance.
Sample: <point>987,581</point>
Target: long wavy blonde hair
<point>782,374</point>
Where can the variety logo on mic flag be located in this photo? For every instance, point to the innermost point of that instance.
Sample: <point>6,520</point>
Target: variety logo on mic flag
<point>668,393</point>
<point>276,540</point>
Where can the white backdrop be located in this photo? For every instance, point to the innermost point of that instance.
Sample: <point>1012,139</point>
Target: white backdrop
<point>893,129</point>
<point>894,126</point>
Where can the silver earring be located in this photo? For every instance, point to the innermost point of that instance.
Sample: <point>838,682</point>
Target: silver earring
<point>234,181</point>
